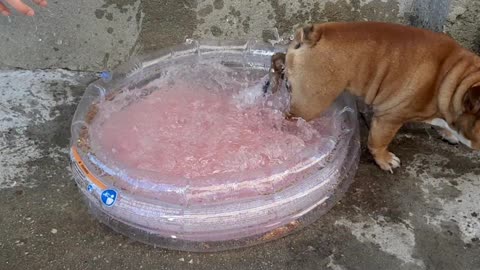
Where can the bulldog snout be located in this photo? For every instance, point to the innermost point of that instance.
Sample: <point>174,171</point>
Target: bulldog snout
<point>289,116</point>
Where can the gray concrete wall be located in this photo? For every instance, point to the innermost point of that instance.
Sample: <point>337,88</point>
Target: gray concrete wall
<point>100,34</point>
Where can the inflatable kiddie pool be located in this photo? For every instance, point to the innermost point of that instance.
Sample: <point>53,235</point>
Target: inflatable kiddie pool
<point>184,149</point>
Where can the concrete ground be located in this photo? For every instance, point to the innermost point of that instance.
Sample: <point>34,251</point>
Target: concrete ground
<point>99,34</point>
<point>424,216</point>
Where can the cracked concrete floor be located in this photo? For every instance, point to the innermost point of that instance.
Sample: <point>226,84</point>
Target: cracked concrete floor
<point>424,216</point>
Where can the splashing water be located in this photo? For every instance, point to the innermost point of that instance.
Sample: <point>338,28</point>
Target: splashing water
<point>204,121</point>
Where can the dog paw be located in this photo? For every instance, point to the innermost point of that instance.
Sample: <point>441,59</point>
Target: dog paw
<point>448,136</point>
<point>387,161</point>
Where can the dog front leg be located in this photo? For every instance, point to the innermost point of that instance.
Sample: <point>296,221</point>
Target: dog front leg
<point>382,132</point>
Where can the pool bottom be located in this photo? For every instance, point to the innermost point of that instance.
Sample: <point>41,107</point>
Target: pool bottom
<point>346,175</point>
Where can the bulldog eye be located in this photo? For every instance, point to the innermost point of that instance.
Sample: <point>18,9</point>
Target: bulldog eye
<point>297,46</point>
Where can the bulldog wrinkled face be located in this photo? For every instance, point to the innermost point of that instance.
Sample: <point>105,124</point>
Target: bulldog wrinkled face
<point>283,69</point>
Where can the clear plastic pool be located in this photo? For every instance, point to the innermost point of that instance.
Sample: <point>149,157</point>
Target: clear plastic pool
<point>182,149</point>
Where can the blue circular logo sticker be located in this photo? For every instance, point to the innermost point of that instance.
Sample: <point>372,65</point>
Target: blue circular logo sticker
<point>109,197</point>
<point>90,188</point>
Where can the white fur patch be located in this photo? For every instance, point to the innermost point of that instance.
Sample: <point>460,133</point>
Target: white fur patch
<point>443,124</point>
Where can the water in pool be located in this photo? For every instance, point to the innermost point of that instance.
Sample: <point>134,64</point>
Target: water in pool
<point>201,122</point>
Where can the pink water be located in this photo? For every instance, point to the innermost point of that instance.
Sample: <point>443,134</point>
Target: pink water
<point>186,130</point>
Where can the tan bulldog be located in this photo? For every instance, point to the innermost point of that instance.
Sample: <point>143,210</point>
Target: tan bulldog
<point>404,73</point>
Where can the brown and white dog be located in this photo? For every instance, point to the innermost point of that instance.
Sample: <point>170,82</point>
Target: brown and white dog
<point>406,74</point>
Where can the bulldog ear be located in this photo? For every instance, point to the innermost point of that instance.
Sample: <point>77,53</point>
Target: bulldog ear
<point>307,35</point>
<point>471,100</point>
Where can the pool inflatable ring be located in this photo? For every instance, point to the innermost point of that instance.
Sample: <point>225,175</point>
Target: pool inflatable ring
<point>150,169</point>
